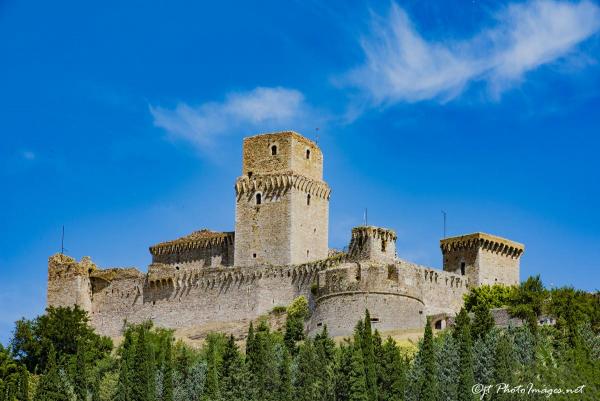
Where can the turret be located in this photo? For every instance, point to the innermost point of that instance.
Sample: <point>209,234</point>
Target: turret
<point>483,258</point>
<point>373,243</point>
<point>69,281</point>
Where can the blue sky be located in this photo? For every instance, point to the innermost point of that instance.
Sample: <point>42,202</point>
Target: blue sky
<point>123,121</point>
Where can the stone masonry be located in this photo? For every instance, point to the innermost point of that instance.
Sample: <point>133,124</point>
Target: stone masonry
<point>279,251</point>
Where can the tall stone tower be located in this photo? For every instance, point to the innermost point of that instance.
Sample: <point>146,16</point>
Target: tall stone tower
<point>282,202</point>
<point>483,258</point>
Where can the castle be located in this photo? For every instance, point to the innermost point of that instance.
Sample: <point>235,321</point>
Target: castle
<point>279,251</point>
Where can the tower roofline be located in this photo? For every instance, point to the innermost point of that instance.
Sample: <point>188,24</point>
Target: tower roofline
<point>374,231</point>
<point>482,240</point>
<point>276,134</point>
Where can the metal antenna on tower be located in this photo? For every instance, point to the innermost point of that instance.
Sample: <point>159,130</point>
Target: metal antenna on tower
<point>444,213</point>
<point>317,135</point>
<point>62,241</point>
<point>366,217</point>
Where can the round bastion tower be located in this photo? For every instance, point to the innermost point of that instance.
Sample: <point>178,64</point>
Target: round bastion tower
<point>282,202</point>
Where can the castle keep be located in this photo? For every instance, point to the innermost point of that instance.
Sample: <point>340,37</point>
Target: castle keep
<point>279,251</point>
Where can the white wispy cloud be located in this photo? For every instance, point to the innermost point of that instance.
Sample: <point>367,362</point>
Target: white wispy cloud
<point>261,109</point>
<point>402,66</point>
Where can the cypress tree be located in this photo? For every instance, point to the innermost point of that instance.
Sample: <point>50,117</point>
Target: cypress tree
<point>125,369</point>
<point>211,389</point>
<point>286,390</point>
<point>23,394</point>
<point>483,357</point>
<point>325,355</point>
<point>144,372</point>
<point>447,368</point>
<point>504,366</point>
<point>306,376</point>
<point>263,366</point>
<point>234,383</point>
<point>393,372</point>
<point>428,379</point>
<point>250,346</point>
<point>342,372</point>
<point>483,322</point>
<point>81,380</point>
<point>357,380</point>
<point>167,393</point>
<point>53,385</point>
<point>369,358</point>
<point>462,336</point>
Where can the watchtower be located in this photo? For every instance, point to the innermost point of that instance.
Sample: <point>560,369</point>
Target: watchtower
<point>373,243</point>
<point>483,258</point>
<point>282,202</point>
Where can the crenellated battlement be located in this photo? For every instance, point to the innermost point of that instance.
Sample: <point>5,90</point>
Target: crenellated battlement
<point>484,241</point>
<point>483,258</point>
<point>373,243</point>
<point>279,183</point>
<point>196,240</point>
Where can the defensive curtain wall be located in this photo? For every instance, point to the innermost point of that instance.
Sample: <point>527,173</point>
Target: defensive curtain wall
<point>398,294</point>
<point>279,251</point>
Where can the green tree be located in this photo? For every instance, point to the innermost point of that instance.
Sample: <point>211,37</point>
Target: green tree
<point>297,313</point>
<point>527,301</point>
<point>571,308</point>
<point>60,328</point>
<point>81,377</point>
<point>167,388</point>
<point>306,377</point>
<point>393,372</point>
<point>286,389</point>
<point>143,383</point>
<point>263,364</point>
<point>212,387</point>
<point>124,384</point>
<point>491,296</point>
<point>369,358</point>
<point>428,383</point>
<point>326,358</point>
<point>504,366</point>
<point>10,375</point>
<point>23,393</point>
<point>483,357</point>
<point>483,322</point>
<point>462,336</point>
<point>357,379</point>
<point>53,384</point>
<point>447,361</point>
<point>342,371</point>
<point>234,379</point>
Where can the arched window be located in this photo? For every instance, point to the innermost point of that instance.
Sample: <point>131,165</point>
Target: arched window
<point>308,199</point>
<point>383,245</point>
<point>258,199</point>
<point>307,154</point>
<point>307,253</point>
<point>274,150</point>
<point>462,268</point>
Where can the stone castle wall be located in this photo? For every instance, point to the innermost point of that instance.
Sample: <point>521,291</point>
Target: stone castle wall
<point>397,295</point>
<point>184,298</point>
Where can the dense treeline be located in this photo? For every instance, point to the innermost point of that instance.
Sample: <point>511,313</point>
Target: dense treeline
<point>57,356</point>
